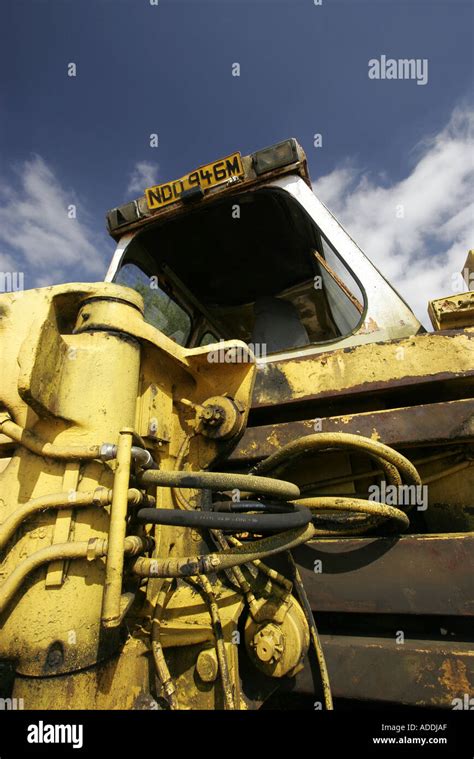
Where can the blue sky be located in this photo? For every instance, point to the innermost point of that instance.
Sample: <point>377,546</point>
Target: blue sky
<point>167,69</point>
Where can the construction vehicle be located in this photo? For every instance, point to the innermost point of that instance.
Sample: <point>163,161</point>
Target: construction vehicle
<point>237,474</point>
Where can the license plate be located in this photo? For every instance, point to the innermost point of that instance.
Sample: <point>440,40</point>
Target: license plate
<point>206,176</point>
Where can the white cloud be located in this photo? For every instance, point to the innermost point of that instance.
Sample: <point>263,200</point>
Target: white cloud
<point>144,174</point>
<point>419,252</point>
<point>36,234</point>
<point>6,262</point>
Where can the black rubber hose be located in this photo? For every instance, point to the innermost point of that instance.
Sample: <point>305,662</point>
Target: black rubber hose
<point>239,507</point>
<point>298,516</point>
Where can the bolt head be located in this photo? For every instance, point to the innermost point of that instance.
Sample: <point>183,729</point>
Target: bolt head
<point>268,643</point>
<point>207,666</point>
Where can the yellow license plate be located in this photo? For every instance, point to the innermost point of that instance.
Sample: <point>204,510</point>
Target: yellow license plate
<point>204,177</point>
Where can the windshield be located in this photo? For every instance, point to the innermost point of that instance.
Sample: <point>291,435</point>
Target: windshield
<point>253,266</point>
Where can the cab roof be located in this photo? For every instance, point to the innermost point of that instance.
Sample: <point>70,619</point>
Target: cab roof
<point>208,183</point>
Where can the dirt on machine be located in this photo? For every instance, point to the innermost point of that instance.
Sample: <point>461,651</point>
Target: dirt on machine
<point>238,473</point>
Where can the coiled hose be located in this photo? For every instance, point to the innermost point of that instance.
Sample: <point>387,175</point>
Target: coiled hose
<point>396,467</point>
<point>274,517</point>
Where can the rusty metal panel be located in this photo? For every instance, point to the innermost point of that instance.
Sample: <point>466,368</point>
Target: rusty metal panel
<point>415,673</point>
<point>432,360</point>
<point>415,574</point>
<point>452,311</point>
<point>425,424</point>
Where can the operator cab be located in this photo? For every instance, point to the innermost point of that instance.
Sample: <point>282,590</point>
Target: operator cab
<point>254,257</point>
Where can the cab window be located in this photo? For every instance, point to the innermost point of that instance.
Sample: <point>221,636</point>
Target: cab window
<point>208,338</point>
<point>254,267</point>
<point>160,309</point>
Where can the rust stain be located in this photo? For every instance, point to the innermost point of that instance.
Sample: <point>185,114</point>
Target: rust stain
<point>273,439</point>
<point>455,677</point>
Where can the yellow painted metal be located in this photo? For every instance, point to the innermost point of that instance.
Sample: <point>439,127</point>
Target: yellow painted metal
<point>111,607</point>
<point>82,369</point>
<point>58,387</point>
<point>342,370</point>
<point>80,365</point>
<point>453,311</point>
<point>63,524</point>
<point>115,683</point>
<point>278,649</point>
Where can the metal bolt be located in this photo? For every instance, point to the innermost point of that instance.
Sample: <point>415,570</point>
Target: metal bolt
<point>268,643</point>
<point>212,415</point>
<point>207,666</point>
<point>54,657</point>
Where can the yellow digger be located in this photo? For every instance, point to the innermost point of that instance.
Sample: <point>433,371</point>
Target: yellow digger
<point>238,473</point>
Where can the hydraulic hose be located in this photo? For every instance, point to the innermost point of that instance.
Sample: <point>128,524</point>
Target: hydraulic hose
<point>393,464</point>
<point>318,649</point>
<point>266,486</point>
<point>288,518</point>
<point>220,643</point>
<point>162,669</point>
<point>327,440</point>
<point>203,564</point>
<point>358,505</point>
<point>33,443</point>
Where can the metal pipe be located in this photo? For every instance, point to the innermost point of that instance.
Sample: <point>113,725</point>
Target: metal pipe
<point>180,498</point>
<point>318,484</point>
<point>87,549</point>
<point>111,607</point>
<point>104,451</point>
<point>71,500</point>
<point>446,472</point>
<point>41,448</point>
<point>140,455</point>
